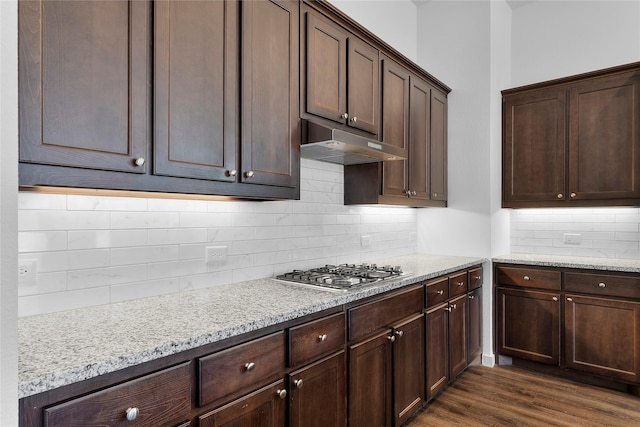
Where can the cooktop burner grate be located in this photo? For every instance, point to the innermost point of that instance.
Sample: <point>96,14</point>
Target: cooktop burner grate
<point>342,277</point>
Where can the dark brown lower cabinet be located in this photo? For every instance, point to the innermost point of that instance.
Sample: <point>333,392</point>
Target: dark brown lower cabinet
<point>265,407</point>
<point>370,381</point>
<point>457,336</point>
<point>408,368</point>
<point>437,349</point>
<point>474,341</point>
<point>601,336</point>
<point>528,324</point>
<point>318,393</point>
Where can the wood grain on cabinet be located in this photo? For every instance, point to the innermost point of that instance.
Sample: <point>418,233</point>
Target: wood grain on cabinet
<point>240,367</point>
<point>529,277</point>
<point>314,339</point>
<point>458,335</point>
<point>474,332</point>
<point>420,158</point>
<point>162,398</point>
<point>475,278</point>
<point>265,407</point>
<point>408,368</point>
<point>439,157</point>
<point>437,291</point>
<point>83,84</point>
<point>458,284</point>
<point>363,85</point>
<point>318,395</point>
<point>607,285</point>
<point>437,349</point>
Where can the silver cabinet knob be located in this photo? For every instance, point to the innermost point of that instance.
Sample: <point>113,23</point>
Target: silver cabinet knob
<point>297,383</point>
<point>454,306</point>
<point>140,161</point>
<point>560,195</point>
<point>439,292</point>
<point>399,333</point>
<point>345,116</point>
<point>573,195</point>
<point>435,195</point>
<point>569,299</point>
<point>232,172</point>
<point>460,283</point>
<point>471,296</point>
<point>602,285</point>
<point>281,393</point>
<point>527,278</point>
<point>391,338</point>
<point>322,338</point>
<point>132,414</point>
<point>477,277</point>
<point>413,193</point>
<point>354,119</point>
<point>555,298</point>
<point>249,174</point>
<point>249,366</point>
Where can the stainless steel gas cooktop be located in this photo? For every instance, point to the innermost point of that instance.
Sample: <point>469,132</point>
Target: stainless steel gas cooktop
<point>342,277</point>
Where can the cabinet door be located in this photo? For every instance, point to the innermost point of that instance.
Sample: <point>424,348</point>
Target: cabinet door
<point>363,85</point>
<point>83,76</point>
<point>439,123</point>
<point>474,348</point>
<point>370,382</point>
<point>318,394</point>
<point>326,69</point>
<point>604,138</point>
<point>458,309</point>
<point>437,352</point>
<point>265,407</point>
<point>196,89</point>
<point>529,325</point>
<point>602,337</point>
<point>419,139</point>
<point>270,93</point>
<point>395,125</point>
<point>534,146</point>
<point>408,368</point>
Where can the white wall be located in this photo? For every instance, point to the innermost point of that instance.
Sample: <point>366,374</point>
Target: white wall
<point>394,21</point>
<point>8,213</point>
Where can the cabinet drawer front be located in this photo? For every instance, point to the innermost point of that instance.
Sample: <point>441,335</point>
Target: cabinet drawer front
<point>458,284</point>
<point>475,278</point>
<point>379,314</point>
<point>163,398</point>
<point>603,284</point>
<point>437,292</point>
<point>240,367</point>
<point>529,277</point>
<point>317,338</point>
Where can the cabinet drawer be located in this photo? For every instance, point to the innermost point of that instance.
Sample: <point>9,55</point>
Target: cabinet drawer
<point>240,367</point>
<point>475,278</point>
<point>458,284</point>
<point>317,338</point>
<point>602,284</point>
<point>437,291</point>
<point>380,314</point>
<point>162,398</point>
<point>529,277</point>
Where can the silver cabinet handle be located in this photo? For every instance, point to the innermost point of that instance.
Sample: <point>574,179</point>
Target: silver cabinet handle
<point>439,292</point>
<point>413,193</point>
<point>297,383</point>
<point>435,195</point>
<point>527,278</point>
<point>281,393</point>
<point>555,298</point>
<point>460,283</point>
<point>322,338</point>
<point>560,195</point>
<point>399,333</point>
<point>354,119</point>
<point>345,116</point>
<point>391,338</point>
<point>249,174</point>
<point>232,172</point>
<point>471,296</point>
<point>249,366</point>
<point>569,299</point>
<point>140,161</point>
<point>132,414</point>
<point>602,285</point>
<point>573,195</point>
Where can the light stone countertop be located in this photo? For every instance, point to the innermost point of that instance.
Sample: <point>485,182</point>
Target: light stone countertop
<point>62,348</point>
<point>606,264</point>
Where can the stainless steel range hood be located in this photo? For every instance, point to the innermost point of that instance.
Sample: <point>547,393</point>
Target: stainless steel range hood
<point>337,146</point>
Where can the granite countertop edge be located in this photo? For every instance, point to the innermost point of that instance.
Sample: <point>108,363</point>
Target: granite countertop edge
<point>587,263</point>
<point>71,359</point>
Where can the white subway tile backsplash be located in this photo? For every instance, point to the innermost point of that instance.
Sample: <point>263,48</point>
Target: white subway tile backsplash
<point>94,250</point>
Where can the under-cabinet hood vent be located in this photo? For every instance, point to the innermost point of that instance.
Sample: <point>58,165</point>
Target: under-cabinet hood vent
<point>337,146</point>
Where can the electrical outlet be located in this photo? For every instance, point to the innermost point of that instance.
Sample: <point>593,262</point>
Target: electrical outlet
<point>27,271</point>
<point>216,254</point>
<point>572,238</point>
<point>365,241</point>
<point>413,237</point>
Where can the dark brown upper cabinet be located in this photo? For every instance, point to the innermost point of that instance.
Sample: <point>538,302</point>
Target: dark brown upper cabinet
<point>573,141</point>
<point>222,78</point>
<point>414,117</point>
<point>341,82</point>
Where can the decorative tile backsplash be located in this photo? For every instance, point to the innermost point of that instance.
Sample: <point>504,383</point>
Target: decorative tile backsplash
<point>92,250</point>
<point>593,232</point>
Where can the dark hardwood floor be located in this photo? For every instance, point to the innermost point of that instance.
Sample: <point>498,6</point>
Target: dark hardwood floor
<point>511,396</point>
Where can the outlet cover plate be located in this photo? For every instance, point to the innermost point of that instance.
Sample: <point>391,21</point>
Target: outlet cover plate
<point>216,254</point>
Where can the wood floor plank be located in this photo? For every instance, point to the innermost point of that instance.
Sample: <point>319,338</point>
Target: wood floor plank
<point>512,396</point>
